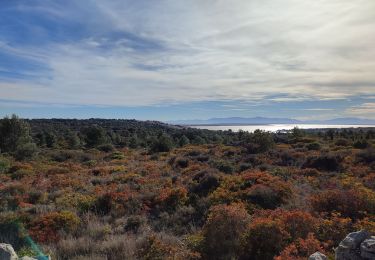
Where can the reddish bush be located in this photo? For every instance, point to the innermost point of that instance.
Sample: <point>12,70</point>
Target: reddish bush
<point>264,239</point>
<point>45,229</point>
<point>223,231</point>
<point>297,223</point>
<point>170,198</point>
<point>350,203</point>
<point>301,249</point>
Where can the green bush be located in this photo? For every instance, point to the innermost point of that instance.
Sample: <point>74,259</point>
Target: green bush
<point>94,136</point>
<point>4,165</point>
<point>14,133</point>
<point>259,142</point>
<point>361,144</point>
<point>313,146</point>
<point>224,167</point>
<point>163,143</point>
<point>342,142</point>
<point>106,148</point>
<point>182,163</point>
<point>26,151</point>
<point>117,156</point>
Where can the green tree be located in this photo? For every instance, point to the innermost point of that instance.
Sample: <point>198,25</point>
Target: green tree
<point>163,143</point>
<point>50,139</point>
<point>72,140</point>
<point>297,132</point>
<point>260,141</point>
<point>95,136</point>
<point>184,141</point>
<point>133,142</point>
<point>14,133</point>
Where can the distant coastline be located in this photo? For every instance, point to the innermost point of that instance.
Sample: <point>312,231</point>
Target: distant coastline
<point>278,127</point>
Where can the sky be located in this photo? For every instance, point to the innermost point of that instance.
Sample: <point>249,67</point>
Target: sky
<point>174,59</point>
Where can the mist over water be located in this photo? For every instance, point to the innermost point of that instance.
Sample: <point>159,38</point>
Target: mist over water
<point>274,127</point>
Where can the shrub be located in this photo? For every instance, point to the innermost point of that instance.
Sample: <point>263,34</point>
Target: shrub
<point>204,183</point>
<point>94,136</point>
<point>264,196</point>
<point>313,146</point>
<point>333,229</point>
<point>342,142</point>
<point>361,144</point>
<point>179,222</point>
<point>297,223</point>
<point>170,198</point>
<point>159,247</point>
<point>106,148</point>
<point>259,142</point>
<point>103,204</point>
<point>184,141</point>
<point>224,167</point>
<point>327,162</point>
<point>366,156</point>
<point>301,249</point>
<point>14,134</point>
<point>26,151</point>
<point>254,187</point>
<point>264,189</point>
<point>4,165</point>
<point>46,228</point>
<point>182,163</point>
<point>245,166</point>
<point>264,239</point>
<point>117,156</point>
<point>350,203</point>
<point>133,223</point>
<point>223,230</point>
<point>163,143</point>
<point>19,174</point>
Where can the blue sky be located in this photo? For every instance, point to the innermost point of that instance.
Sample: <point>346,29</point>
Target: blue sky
<point>169,60</point>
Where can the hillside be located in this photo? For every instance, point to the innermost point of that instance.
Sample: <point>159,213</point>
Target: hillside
<point>119,189</point>
<point>266,120</point>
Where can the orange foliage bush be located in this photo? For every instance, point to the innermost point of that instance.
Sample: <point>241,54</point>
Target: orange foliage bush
<point>255,187</point>
<point>301,249</point>
<point>171,198</point>
<point>333,229</point>
<point>45,229</point>
<point>349,203</point>
<point>223,230</point>
<point>264,239</point>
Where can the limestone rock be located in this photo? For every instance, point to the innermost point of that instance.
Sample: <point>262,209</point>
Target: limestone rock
<point>7,252</point>
<point>317,256</point>
<point>348,249</point>
<point>368,248</point>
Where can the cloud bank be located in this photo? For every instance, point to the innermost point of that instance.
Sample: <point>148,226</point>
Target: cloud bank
<point>142,53</point>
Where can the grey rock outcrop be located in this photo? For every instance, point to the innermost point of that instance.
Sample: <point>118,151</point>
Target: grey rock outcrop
<point>355,246</point>
<point>368,248</point>
<point>318,256</point>
<point>7,252</point>
<point>349,248</point>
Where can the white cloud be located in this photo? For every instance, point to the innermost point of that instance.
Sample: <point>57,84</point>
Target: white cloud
<point>365,109</point>
<point>205,50</point>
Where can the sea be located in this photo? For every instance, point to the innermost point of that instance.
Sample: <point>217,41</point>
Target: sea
<point>275,127</point>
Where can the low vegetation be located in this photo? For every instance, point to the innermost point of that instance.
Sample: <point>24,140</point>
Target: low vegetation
<point>124,189</point>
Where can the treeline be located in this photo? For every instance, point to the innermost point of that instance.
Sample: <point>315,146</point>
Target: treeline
<point>95,133</point>
<point>22,138</point>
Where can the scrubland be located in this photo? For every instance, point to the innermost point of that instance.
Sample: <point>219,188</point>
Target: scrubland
<point>132,190</point>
